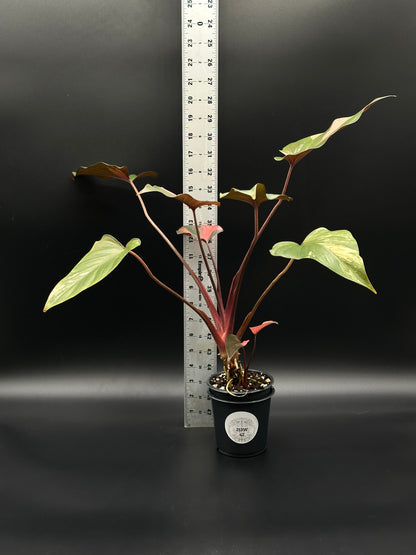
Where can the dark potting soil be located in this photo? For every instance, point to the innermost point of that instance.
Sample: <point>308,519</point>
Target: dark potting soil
<point>256,382</point>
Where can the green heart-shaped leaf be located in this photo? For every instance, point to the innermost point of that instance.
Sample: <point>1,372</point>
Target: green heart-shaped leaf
<point>157,189</point>
<point>105,255</point>
<point>294,152</point>
<point>254,196</point>
<point>337,250</point>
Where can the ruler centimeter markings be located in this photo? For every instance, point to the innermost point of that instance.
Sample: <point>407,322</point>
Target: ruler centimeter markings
<point>200,140</point>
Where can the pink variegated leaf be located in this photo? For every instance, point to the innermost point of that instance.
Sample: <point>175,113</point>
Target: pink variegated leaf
<point>188,230</point>
<point>255,329</point>
<point>209,231</point>
<point>206,232</point>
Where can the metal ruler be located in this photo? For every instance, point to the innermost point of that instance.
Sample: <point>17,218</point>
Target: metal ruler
<point>200,122</point>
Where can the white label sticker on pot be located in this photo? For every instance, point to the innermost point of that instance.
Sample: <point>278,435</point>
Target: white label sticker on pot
<point>241,426</point>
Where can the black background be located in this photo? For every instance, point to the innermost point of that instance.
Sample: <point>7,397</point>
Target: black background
<point>91,80</point>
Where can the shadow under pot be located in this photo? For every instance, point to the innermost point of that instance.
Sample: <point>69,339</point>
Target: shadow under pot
<point>241,420</point>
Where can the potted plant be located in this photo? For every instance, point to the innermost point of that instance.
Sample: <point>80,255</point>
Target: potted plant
<point>240,395</point>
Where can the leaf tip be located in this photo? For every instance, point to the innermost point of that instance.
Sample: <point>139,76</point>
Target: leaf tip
<point>256,329</point>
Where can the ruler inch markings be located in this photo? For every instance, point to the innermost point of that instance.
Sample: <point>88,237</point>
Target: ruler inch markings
<point>200,140</point>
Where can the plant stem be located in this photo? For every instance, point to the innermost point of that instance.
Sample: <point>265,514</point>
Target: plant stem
<point>245,367</point>
<point>252,312</point>
<point>256,220</point>
<point>204,256</point>
<point>278,203</point>
<point>198,282</point>
<point>200,312</point>
<point>235,288</point>
<point>253,350</point>
<point>217,277</point>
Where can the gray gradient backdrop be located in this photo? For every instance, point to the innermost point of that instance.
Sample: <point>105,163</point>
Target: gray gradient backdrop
<point>93,455</point>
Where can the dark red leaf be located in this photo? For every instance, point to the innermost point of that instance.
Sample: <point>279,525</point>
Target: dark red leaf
<point>104,171</point>
<point>194,203</point>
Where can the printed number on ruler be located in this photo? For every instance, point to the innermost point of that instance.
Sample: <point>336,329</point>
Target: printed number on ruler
<point>200,92</point>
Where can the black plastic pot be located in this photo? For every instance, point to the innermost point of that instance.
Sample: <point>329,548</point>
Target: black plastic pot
<point>241,423</point>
